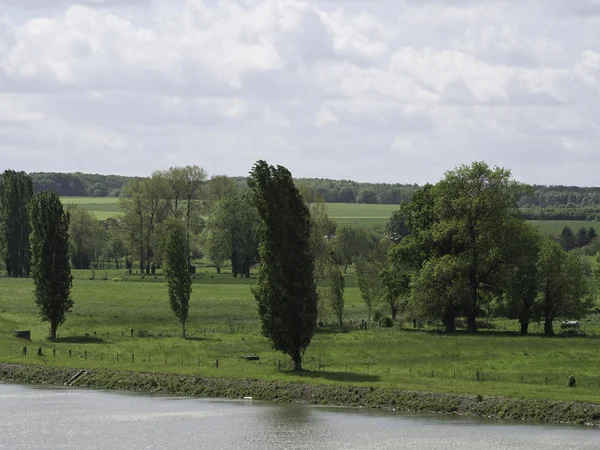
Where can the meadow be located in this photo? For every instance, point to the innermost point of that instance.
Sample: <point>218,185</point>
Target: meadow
<point>126,324</point>
<point>343,213</point>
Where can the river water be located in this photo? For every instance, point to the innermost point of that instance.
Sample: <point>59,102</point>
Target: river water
<point>57,418</point>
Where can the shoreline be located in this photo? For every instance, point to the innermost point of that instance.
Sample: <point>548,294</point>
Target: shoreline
<point>528,410</point>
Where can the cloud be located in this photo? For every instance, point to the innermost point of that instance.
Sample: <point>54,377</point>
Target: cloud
<point>394,92</point>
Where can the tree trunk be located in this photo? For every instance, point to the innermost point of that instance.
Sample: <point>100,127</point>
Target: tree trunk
<point>53,327</point>
<point>471,323</point>
<point>297,360</point>
<point>218,269</point>
<point>393,309</point>
<point>524,328</point>
<point>448,320</point>
<point>548,330</point>
<point>183,328</point>
<point>346,268</point>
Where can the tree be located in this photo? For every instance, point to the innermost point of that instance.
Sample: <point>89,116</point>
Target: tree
<point>567,238</point>
<point>15,192</point>
<point>518,301</point>
<point>396,290</point>
<point>218,187</point>
<point>563,291</point>
<point>285,292</point>
<point>146,203</point>
<point>177,275</point>
<point>367,275</point>
<point>186,183</point>
<point>232,231</point>
<point>367,196</point>
<point>81,223</point>
<point>51,271</point>
<point>322,228</point>
<point>335,290</point>
<point>351,243</point>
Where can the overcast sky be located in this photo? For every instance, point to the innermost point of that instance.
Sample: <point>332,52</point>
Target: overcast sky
<point>371,90</point>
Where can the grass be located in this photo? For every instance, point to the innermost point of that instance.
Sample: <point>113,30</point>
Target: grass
<point>556,226</point>
<point>224,325</point>
<point>343,213</point>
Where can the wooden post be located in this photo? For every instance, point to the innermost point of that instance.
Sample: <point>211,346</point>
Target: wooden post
<point>132,357</point>
<point>85,354</point>
<point>69,353</point>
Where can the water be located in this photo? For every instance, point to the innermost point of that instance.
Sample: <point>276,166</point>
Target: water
<point>42,418</point>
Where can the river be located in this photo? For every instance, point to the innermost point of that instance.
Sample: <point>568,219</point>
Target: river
<point>66,418</point>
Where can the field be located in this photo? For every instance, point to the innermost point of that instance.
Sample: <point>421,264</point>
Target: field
<point>126,324</point>
<point>344,213</point>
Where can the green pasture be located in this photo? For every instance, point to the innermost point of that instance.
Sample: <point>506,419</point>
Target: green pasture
<point>556,226</point>
<point>343,213</point>
<point>224,325</point>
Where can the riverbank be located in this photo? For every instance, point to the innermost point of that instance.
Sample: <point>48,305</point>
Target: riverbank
<point>530,410</point>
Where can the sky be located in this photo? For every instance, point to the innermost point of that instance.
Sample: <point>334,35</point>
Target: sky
<point>396,91</point>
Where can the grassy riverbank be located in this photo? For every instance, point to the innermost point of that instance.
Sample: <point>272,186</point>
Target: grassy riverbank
<point>530,410</point>
<point>224,326</point>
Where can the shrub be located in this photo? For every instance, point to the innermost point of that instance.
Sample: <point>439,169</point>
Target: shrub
<point>377,316</point>
<point>386,322</point>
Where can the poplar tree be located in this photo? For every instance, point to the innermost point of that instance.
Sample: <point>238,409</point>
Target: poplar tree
<point>50,267</point>
<point>179,282</point>
<point>15,192</point>
<point>285,292</point>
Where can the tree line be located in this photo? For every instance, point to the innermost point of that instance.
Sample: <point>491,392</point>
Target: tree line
<point>543,203</point>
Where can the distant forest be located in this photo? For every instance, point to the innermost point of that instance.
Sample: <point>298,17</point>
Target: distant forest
<point>546,202</point>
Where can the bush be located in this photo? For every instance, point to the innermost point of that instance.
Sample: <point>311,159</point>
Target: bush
<point>377,316</point>
<point>386,322</point>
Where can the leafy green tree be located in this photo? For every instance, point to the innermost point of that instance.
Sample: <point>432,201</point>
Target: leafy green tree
<point>563,291</point>
<point>218,187</point>
<point>335,289</point>
<point>217,246</point>
<point>351,243</point>
<point>396,290</point>
<point>367,196</point>
<point>477,207</point>
<point>81,224</point>
<point>146,203</point>
<point>567,238</point>
<point>368,279</point>
<point>519,297</point>
<point>285,292</point>
<point>51,271</point>
<point>186,183</point>
<point>15,192</point>
<point>177,276</point>
<point>439,288</point>
<point>232,231</point>
<point>322,229</point>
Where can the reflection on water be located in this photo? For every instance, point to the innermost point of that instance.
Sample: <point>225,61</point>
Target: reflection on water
<point>81,419</point>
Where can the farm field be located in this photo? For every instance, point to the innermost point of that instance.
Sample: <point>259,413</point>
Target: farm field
<point>344,213</point>
<point>127,325</point>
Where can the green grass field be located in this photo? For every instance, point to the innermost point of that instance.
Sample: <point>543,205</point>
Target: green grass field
<point>224,325</point>
<point>343,213</point>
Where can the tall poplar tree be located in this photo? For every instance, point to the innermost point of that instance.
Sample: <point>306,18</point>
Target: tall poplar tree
<point>50,267</point>
<point>285,292</point>
<point>15,192</point>
<point>179,282</point>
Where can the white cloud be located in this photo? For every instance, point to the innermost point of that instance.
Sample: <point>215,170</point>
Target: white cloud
<point>375,91</point>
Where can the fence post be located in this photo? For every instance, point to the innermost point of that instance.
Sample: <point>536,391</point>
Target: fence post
<point>85,354</point>
<point>132,357</point>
